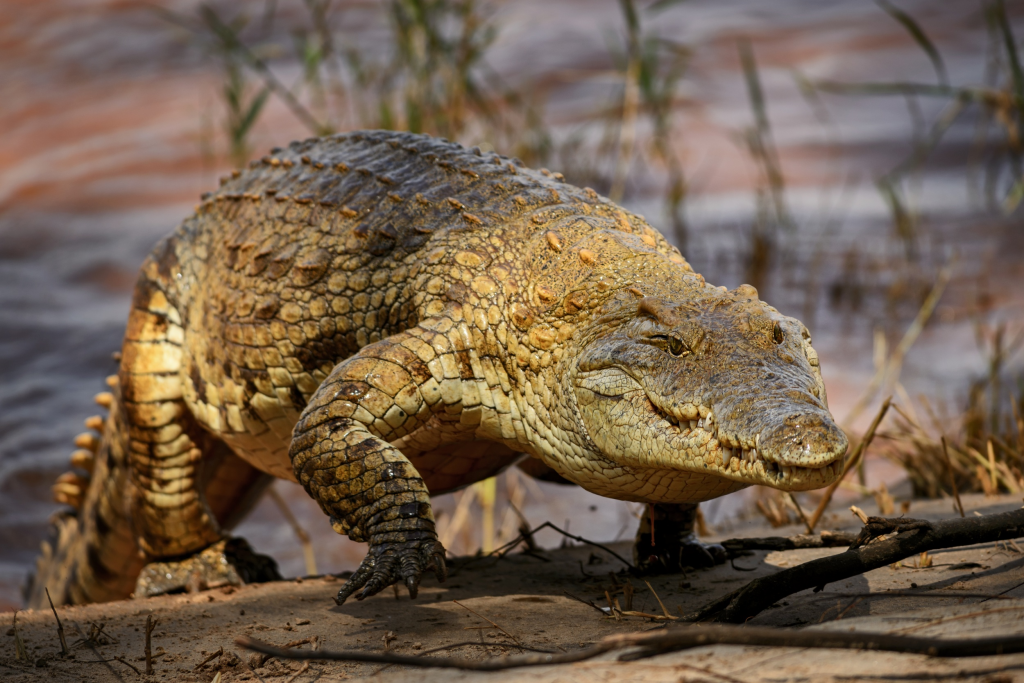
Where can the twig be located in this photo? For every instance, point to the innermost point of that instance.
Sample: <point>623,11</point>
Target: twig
<point>218,653</point>
<point>653,643</point>
<point>660,603</point>
<point>957,617</point>
<point>476,643</point>
<point>268,655</point>
<point>60,626</point>
<point>304,669</point>
<point>150,625</point>
<point>514,639</point>
<point>879,526</point>
<point>800,511</point>
<point>952,478</point>
<point>548,525</point>
<point>20,652</point>
<point>128,664</point>
<point>851,462</point>
<point>943,595</point>
<point>827,539</point>
<point>524,528</point>
<point>891,369</point>
<point>746,602</point>
<point>311,640</point>
<point>231,41</point>
<point>589,603</point>
<point>300,533</point>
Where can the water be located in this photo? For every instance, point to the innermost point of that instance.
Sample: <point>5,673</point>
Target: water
<point>110,114</point>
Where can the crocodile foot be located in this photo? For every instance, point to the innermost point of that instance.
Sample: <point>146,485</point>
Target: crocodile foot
<point>231,562</point>
<point>665,542</point>
<point>391,561</point>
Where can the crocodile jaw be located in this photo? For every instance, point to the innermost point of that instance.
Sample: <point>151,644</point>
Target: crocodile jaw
<point>688,438</point>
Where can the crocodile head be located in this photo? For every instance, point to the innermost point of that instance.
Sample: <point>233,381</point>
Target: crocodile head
<point>694,391</point>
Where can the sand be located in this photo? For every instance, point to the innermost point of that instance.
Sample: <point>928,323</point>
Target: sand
<point>534,599</point>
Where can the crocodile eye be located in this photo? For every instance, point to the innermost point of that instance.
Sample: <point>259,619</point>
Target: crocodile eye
<point>777,334</point>
<point>676,347</point>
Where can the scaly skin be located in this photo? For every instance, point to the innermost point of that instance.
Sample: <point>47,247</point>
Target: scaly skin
<point>384,316</point>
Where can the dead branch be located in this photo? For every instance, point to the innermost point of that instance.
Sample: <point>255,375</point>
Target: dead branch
<point>675,639</point>
<point>826,539</point>
<point>918,537</point>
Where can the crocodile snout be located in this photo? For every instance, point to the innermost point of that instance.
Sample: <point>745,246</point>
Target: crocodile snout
<point>806,439</point>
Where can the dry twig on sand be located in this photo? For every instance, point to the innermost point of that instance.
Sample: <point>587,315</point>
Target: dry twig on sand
<point>150,625</point>
<point>912,538</point>
<point>649,644</point>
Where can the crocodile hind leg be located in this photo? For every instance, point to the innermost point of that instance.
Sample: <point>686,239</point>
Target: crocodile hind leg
<point>666,542</point>
<point>170,458</point>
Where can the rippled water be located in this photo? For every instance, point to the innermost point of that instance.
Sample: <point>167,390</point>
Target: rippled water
<point>107,110</point>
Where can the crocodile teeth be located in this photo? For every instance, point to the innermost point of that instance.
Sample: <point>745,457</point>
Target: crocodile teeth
<point>727,456</point>
<point>693,424</point>
<point>750,456</point>
<point>700,424</point>
<point>710,418</point>
<point>787,471</point>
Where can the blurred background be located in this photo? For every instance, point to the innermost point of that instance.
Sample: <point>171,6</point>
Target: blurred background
<point>859,162</point>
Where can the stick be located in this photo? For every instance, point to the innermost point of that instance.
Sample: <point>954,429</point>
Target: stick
<point>952,478</point>
<point>60,626</point>
<point>218,653</point>
<point>660,603</point>
<point>300,533</point>
<point>827,539</point>
<point>268,655</point>
<point>748,601</point>
<point>128,664</point>
<point>20,652</point>
<point>150,625</point>
<point>800,511</point>
<point>589,603</point>
<point>302,670</point>
<point>675,639</point>
<point>861,447</point>
<point>311,640</point>
<point>548,525</point>
<point>514,639</point>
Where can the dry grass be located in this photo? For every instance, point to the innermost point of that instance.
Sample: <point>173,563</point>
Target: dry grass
<point>985,442</point>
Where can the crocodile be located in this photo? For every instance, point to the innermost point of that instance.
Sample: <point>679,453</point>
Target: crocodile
<point>384,316</point>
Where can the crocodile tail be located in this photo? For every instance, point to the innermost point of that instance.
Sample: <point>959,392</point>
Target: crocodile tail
<point>91,554</point>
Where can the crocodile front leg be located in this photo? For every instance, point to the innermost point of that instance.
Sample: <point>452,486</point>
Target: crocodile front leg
<point>342,456</point>
<point>666,542</point>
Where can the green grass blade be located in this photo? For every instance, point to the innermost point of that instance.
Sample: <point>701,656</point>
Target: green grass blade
<point>998,13</point>
<point>919,36</point>
<point>663,5</point>
<point>255,107</point>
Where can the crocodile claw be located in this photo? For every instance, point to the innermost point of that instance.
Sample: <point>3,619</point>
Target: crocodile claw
<point>693,553</point>
<point>686,552</point>
<point>389,563</point>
